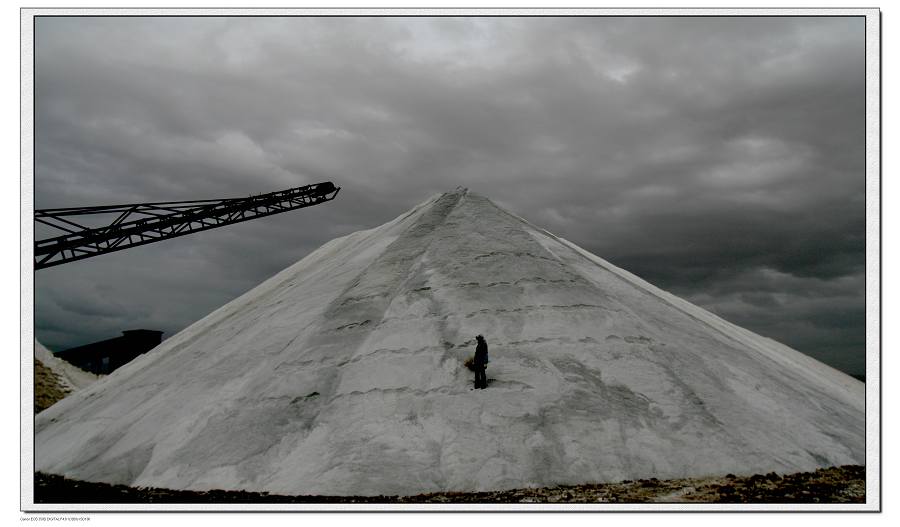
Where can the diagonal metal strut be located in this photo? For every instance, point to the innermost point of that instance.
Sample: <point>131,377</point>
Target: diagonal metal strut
<point>160,221</point>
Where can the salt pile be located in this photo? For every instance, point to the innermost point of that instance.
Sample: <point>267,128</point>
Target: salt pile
<point>343,374</point>
<point>70,377</point>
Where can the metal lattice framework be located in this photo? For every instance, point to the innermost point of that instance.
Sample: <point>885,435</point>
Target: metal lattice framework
<point>160,221</point>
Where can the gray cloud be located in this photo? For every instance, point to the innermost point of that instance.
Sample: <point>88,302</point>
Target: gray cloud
<point>719,158</point>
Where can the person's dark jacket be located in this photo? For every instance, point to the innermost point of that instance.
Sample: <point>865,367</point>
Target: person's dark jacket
<point>481,354</point>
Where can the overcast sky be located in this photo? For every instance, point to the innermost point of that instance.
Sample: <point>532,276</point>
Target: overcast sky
<point>721,159</point>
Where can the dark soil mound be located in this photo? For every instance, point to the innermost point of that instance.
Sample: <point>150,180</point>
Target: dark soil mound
<point>48,389</point>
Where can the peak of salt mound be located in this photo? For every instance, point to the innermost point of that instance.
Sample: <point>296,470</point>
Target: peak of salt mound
<point>343,374</point>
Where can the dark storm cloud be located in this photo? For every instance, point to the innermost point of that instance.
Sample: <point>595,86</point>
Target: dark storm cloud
<point>719,158</point>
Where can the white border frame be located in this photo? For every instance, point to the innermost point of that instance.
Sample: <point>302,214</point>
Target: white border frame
<point>873,262</point>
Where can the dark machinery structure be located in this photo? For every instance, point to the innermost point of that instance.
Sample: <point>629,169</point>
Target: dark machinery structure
<point>106,356</point>
<point>160,221</point>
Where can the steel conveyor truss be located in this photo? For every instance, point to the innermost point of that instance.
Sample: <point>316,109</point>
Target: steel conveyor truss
<point>143,223</point>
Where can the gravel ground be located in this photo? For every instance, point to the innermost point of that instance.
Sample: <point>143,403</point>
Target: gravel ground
<point>844,484</point>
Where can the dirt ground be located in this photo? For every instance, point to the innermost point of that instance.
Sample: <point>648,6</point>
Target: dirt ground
<point>845,484</point>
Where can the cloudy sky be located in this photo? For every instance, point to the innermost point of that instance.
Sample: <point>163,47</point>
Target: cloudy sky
<point>721,159</point>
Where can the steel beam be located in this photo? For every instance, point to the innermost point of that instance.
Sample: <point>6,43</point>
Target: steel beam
<point>160,221</point>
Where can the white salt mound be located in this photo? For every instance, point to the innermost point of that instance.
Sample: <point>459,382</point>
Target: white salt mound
<point>71,377</point>
<point>344,375</point>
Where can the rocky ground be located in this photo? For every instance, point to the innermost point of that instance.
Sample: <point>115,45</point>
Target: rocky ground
<point>846,484</point>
